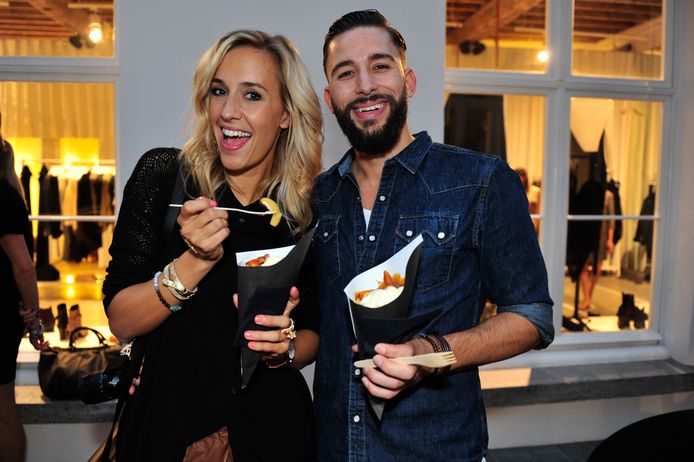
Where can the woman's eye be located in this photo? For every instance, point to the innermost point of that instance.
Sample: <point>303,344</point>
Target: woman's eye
<point>216,91</point>
<point>253,96</point>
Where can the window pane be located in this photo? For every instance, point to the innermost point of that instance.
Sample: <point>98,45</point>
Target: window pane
<point>618,38</point>
<point>614,155</point>
<point>496,35</point>
<point>56,28</point>
<point>510,126</point>
<point>614,294</point>
<point>62,136</point>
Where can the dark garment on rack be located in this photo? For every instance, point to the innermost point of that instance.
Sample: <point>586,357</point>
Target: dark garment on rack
<point>49,204</point>
<point>613,186</point>
<point>88,234</point>
<point>644,229</point>
<point>26,185</point>
<point>589,174</point>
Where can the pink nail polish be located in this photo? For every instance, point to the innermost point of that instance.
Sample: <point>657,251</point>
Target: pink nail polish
<point>213,203</point>
<point>259,319</point>
<point>248,334</point>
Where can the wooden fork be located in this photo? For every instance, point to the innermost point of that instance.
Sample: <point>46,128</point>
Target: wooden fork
<point>435,360</point>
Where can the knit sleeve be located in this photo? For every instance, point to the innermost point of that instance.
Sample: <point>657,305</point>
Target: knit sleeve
<point>137,238</point>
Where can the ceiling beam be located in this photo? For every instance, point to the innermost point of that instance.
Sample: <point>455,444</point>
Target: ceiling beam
<point>479,25</point>
<point>58,11</point>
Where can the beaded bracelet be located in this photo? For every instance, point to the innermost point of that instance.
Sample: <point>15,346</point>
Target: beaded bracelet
<point>163,301</point>
<point>440,345</point>
<point>174,284</point>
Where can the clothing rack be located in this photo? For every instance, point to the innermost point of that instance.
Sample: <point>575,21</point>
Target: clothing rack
<point>86,163</point>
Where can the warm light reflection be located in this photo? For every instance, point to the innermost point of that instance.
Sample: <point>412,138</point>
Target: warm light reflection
<point>70,293</point>
<point>543,56</point>
<point>70,279</point>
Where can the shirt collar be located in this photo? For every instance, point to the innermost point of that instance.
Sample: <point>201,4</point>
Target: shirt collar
<point>410,157</point>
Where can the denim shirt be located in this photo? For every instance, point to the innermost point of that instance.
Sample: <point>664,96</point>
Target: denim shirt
<point>479,245</point>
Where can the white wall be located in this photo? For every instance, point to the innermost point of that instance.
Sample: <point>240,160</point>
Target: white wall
<point>160,42</point>
<point>678,314</point>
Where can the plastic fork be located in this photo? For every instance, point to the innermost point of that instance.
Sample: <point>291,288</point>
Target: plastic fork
<point>435,360</point>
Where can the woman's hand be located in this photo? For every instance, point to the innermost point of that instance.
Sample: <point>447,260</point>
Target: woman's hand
<point>204,228</point>
<point>274,342</point>
<point>33,323</point>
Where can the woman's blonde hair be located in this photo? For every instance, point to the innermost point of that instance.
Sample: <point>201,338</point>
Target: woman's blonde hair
<point>297,159</point>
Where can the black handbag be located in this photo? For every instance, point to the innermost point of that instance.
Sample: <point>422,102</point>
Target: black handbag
<point>60,369</point>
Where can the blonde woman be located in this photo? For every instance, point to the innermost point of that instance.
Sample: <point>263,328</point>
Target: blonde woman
<point>257,133</point>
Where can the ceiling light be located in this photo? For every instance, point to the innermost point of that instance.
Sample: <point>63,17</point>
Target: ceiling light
<point>95,30</point>
<point>543,56</point>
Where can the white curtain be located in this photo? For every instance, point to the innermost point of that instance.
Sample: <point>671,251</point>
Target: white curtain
<point>524,126</point>
<point>60,110</point>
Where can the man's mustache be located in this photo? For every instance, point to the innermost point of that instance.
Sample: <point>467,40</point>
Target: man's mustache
<point>363,100</point>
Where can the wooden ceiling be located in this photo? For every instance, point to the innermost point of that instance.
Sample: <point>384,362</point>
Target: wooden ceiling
<point>594,20</point>
<point>50,18</point>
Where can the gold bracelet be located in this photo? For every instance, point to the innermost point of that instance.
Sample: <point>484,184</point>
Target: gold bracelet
<point>196,251</point>
<point>174,284</point>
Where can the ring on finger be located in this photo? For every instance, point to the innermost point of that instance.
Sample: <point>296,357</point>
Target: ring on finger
<point>197,251</point>
<point>289,332</point>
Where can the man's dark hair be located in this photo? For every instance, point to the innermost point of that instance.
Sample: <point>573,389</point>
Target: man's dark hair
<point>363,18</point>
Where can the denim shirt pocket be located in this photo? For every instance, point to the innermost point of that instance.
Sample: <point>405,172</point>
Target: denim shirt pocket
<point>328,250</point>
<point>439,231</point>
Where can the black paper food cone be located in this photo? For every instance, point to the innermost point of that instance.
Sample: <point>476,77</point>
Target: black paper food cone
<point>389,323</point>
<point>265,290</point>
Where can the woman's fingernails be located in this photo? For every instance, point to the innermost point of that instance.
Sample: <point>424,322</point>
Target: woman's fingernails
<point>248,334</point>
<point>259,319</point>
<point>213,203</point>
<point>251,345</point>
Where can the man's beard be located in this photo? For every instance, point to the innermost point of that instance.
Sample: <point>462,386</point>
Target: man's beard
<point>379,141</point>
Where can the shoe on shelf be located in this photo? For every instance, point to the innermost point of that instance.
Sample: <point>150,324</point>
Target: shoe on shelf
<point>75,321</point>
<point>62,321</point>
<point>47,318</point>
<point>640,318</point>
<point>627,312</point>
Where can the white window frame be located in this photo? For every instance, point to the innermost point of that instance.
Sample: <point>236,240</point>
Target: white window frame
<point>558,85</point>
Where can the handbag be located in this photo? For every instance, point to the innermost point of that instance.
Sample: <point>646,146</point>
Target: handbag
<point>60,369</point>
<point>106,452</point>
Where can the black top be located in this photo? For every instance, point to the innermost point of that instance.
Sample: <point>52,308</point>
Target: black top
<point>15,220</point>
<point>190,381</point>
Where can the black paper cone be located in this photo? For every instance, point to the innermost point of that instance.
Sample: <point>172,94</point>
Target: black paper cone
<point>389,323</point>
<point>265,290</point>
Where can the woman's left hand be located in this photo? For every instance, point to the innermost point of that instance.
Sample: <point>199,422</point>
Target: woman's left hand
<point>274,342</point>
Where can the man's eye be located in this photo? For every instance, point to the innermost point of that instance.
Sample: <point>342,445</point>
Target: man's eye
<point>381,67</point>
<point>253,96</point>
<point>216,91</point>
<point>344,74</point>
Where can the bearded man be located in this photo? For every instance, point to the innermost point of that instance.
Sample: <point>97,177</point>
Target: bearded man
<point>479,244</point>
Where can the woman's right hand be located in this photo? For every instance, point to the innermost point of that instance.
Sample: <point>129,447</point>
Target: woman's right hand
<point>204,228</point>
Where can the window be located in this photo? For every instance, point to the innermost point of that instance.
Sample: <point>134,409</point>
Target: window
<point>57,97</point>
<point>589,128</point>
<point>57,28</point>
<point>498,35</point>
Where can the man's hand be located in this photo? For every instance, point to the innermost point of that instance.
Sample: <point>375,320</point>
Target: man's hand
<point>390,377</point>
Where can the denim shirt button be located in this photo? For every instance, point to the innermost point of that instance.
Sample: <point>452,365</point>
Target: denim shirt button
<point>356,418</point>
<point>382,198</point>
<point>361,237</point>
<point>441,235</point>
<point>409,233</point>
<point>325,234</point>
<point>357,371</point>
<point>372,238</point>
